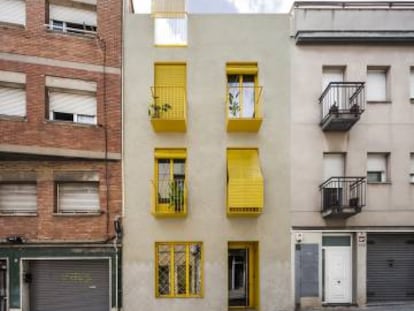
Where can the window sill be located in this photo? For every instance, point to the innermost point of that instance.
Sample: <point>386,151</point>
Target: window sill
<point>379,101</point>
<point>6,117</point>
<point>170,45</point>
<point>18,214</point>
<point>379,183</point>
<point>70,123</point>
<point>12,26</point>
<point>87,36</point>
<point>76,214</point>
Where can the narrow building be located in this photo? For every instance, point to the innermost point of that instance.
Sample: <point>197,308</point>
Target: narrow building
<point>60,155</point>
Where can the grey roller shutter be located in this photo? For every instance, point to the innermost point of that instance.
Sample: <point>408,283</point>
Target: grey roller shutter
<point>72,15</point>
<point>12,101</point>
<point>390,267</point>
<point>69,285</point>
<point>13,11</point>
<point>78,197</point>
<point>18,198</point>
<point>72,103</point>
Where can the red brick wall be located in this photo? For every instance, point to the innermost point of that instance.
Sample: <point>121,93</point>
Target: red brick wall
<point>34,39</point>
<point>47,225</point>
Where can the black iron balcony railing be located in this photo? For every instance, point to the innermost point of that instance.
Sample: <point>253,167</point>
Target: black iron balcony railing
<point>343,196</point>
<point>341,105</point>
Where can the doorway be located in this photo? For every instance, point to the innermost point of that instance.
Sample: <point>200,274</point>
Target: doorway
<point>3,285</point>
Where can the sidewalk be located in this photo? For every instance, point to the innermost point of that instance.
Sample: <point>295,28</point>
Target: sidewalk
<point>382,307</point>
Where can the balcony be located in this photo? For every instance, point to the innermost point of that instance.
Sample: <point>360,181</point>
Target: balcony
<point>244,105</point>
<point>167,110</point>
<point>342,197</point>
<point>169,198</point>
<point>342,104</point>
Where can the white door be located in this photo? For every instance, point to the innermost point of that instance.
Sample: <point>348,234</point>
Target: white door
<point>338,274</point>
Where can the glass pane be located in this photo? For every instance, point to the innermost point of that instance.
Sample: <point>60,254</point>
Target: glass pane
<point>336,241</point>
<point>164,269</point>
<point>234,95</point>
<point>238,277</point>
<point>163,180</point>
<point>374,176</point>
<point>180,269</point>
<point>82,118</point>
<point>179,169</point>
<point>195,273</point>
<point>248,96</point>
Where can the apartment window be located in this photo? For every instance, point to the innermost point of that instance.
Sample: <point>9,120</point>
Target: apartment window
<point>170,183</point>
<point>242,90</point>
<point>412,168</point>
<point>13,12</point>
<point>76,17</point>
<point>77,197</point>
<point>377,167</point>
<point>412,84</point>
<point>18,197</point>
<point>12,94</point>
<point>377,88</point>
<point>243,275</point>
<point>71,100</point>
<point>178,269</point>
<point>170,22</point>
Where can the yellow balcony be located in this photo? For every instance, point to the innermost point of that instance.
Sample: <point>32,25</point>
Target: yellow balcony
<point>167,110</point>
<point>169,198</point>
<point>244,108</point>
<point>245,194</point>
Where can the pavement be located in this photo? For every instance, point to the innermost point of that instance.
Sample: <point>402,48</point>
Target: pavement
<point>381,307</point>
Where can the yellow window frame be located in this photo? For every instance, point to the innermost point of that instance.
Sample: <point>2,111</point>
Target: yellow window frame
<point>253,248</point>
<point>171,280</point>
<point>170,155</point>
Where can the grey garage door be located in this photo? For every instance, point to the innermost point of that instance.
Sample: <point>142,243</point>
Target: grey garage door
<point>69,285</point>
<point>390,267</point>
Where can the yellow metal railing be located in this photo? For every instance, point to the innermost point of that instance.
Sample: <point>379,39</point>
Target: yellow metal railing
<point>169,197</point>
<point>244,102</point>
<point>169,103</point>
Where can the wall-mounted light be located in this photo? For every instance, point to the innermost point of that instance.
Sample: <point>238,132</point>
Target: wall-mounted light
<point>15,239</point>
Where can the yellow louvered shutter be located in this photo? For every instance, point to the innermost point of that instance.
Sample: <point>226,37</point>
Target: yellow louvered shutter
<point>170,88</point>
<point>245,184</point>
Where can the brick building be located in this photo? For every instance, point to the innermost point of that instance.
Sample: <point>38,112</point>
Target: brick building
<point>60,154</point>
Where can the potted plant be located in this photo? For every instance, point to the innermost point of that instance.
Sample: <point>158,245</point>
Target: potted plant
<point>234,106</point>
<point>154,109</point>
<point>176,195</point>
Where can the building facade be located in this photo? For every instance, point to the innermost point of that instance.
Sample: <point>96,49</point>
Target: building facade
<point>60,155</point>
<point>352,127</point>
<point>206,158</point>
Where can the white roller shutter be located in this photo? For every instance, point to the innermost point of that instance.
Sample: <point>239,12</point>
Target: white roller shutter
<point>334,165</point>
<point>377,163</point>
<point>78,197</point>
<point>12,101</point>
<point>72,103</point>
<point>412,83</point>
<point>13,11</point>
<point>331,75</point>
<point>72,15</point>
<point>18,198</point>
<point>377,85</point>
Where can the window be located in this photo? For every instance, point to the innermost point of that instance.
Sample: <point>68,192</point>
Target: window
<point>243,90</point>
<point>178,269</point>
<point>377,85</point>
<point>170,22</point>
<point>245,187</point>
<point>13,12</point>
<point>12,94</point>
<point>18,198</point>
<point>377,167</point>
<point>72,100</point>
<point>412,84</point>
<point>78,197</point>
<point>412,167</point>
<point>243,275</point>
<point>170,183</point>
<point>72,17</point>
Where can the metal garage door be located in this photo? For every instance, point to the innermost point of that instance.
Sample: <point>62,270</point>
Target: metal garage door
<point>390,267</point>
<point>69,285</point>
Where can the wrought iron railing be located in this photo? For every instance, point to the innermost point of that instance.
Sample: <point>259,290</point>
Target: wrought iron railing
<point>244,102</point>
<point>343,192</point>
<point>170,197</point>
<point>169,103</point>
<point>342,97</point>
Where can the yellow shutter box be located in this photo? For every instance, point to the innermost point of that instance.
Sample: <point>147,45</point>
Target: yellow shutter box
<point>245,182</point>
<point>241,68</point>
<point>170,153</point>
<point>169,95</point>
<point>168,8</point>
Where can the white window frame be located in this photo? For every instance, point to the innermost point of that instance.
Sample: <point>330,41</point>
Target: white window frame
<point>59,184</point>
<point>378,163</point>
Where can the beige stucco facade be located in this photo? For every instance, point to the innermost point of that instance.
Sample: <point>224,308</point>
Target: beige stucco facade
<point>213,41</point>
<point>384,127</point>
